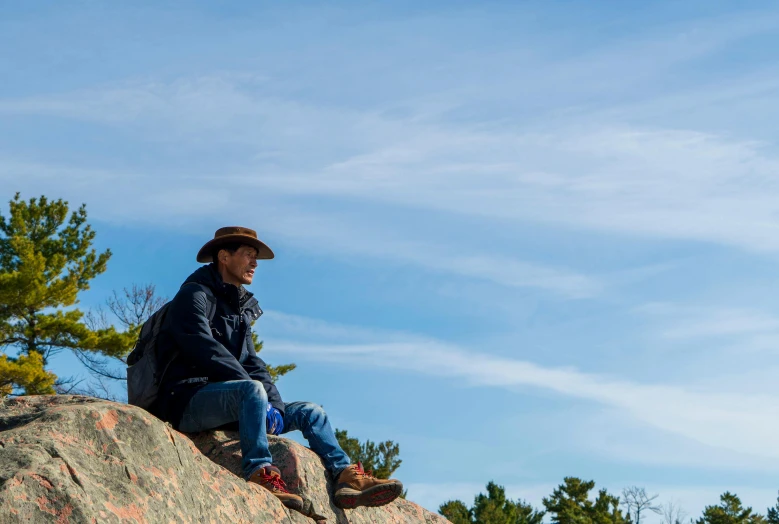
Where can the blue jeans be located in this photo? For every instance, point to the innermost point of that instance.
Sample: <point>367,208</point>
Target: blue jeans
<point>246,401</point>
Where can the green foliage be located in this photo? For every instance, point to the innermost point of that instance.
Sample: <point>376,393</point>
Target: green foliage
<point>606,509</point>
<point>492,508</point>
<point>25,373</point>
<point>46,259</point>
<point>381,459</point>
<point>456,511</point>
<point>570,504</point>
<point>275,371</point>
<point>730,511</point>
<point>772,514</point>
<point>495,508</point>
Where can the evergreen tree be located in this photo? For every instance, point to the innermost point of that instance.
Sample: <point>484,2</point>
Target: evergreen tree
<point>570,504</point>
<point>46,259</point>
<point>25,373</point>
<point>381,459</point>
<point>491,508</point>
<point>772,514</point>
<point>606,509</point>
<point>495,508</point>
<point>456,512</point>
<point>730,511</point>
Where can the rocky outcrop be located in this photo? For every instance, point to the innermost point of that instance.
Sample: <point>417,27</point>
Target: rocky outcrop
<point>303,472</point>
<point>77,459</point>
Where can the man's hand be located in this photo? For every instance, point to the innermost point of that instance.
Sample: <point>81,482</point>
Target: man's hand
<point>274,421</point>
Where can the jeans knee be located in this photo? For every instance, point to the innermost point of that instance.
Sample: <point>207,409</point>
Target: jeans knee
<point>254,388</point>
<point>314,412</point>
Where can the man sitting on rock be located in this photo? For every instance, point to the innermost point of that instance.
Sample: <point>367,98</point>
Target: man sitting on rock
<point>214,376</point>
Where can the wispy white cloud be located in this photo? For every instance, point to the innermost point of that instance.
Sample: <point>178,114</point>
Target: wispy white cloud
<point>640,444</point>
<point>716,417</point>
<point>608,175</point>
<point>687,322</point>
<point>315,329</point>
<point>350,237</point>
<point>189,201</point>
<point>734,332</point>
<point>661,183</point>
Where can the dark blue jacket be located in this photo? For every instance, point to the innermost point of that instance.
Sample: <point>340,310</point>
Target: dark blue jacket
<point>216,352</point>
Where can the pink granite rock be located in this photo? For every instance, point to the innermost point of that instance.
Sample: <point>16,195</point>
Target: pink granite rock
<point>305,475</point>
<point>77,459</point>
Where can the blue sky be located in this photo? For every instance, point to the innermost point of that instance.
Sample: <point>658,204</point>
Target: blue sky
<point>523,240</point>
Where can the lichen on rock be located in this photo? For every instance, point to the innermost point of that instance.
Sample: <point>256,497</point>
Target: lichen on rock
<point>77,459</point>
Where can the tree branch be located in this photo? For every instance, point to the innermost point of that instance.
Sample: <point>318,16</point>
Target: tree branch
<point>97,367</point>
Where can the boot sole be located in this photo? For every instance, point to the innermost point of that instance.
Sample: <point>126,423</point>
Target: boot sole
<point>293,504</point>
<point>305,508</point>
<point>380,495</point>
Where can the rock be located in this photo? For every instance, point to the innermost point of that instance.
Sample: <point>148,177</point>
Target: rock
<point>78,459</point>
<point>305,475</point>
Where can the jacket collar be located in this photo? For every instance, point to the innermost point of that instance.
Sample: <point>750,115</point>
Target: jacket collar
<point>209,276</point>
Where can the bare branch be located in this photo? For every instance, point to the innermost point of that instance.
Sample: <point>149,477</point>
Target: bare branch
<point>98,366</point>
<point>50,351</point>
<point>73,386</point>
<point>636,501</point>
<point>672,513</point>
<point>132,307</point>
<point>96,319</point>
<point>97,389</point>
<point>135,305</point>
<point>65,385</point>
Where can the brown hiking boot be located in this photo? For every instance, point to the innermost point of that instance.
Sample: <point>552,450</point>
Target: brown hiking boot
<point>269,478</point>
<point>356,487</point>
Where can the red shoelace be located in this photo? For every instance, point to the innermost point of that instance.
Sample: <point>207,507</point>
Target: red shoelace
<point>275,481</point>
<point>359,471</point>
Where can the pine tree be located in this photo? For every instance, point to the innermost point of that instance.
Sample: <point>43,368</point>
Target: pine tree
<point>606,509</point>
<point>456,512</point>
<point>491,508</point>
<point>730,511</point>
<point>381,459</point>
<point>772,514</point>
<point>570,504</point>
<point>495,508</point>
<point>25,373</point>
<point>46,259</point>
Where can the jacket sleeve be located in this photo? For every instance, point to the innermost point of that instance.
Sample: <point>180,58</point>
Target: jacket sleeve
<point>191,331</point>
<point>258,370</point>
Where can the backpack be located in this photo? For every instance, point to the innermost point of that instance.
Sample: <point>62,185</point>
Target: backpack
<point>143,366</point>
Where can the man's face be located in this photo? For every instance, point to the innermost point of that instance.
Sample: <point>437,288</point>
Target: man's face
<point>238,266</point>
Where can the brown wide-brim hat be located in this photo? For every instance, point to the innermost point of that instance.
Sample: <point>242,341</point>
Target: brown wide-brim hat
<point>230,234</point>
